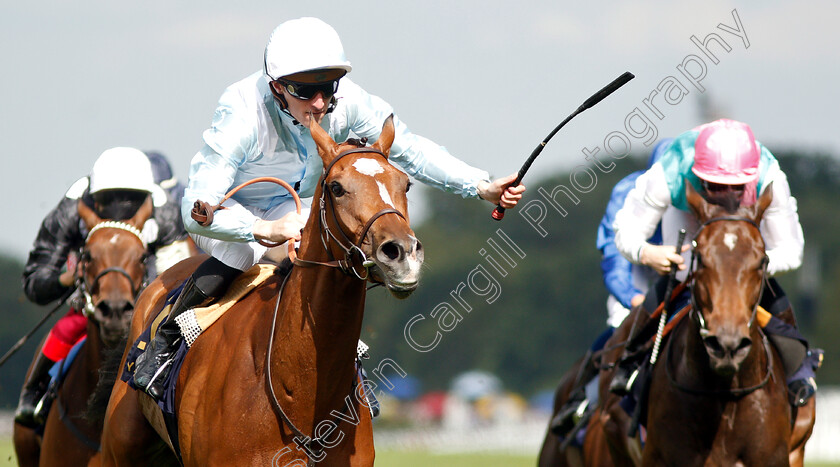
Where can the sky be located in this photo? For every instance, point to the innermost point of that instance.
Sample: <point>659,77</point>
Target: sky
<point>487,79</point>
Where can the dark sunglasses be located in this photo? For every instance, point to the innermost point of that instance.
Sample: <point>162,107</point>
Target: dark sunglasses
<point>306,91</point>
<point>721,188</point>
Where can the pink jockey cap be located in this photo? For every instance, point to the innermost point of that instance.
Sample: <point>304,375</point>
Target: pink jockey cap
<point>725,152</point>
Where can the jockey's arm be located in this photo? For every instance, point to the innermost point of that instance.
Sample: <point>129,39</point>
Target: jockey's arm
<point>43,280</point>
<point>780,227</point>
<point>636,221</point>
<point>423,159</point>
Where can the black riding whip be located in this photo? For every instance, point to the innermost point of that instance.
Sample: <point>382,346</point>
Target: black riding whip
<point>663,318</point>
<point>26,336</point>
<point>499,212</point>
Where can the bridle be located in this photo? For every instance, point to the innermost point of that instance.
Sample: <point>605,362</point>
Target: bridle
<point>85,287</point>
<point>316,443</point>
<point>353,255</point>
<point>698,316</point>
<point>704,330</point>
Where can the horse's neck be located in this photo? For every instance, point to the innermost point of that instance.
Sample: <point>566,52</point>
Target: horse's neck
<point>90,354</point>
<point>83,376</point>
<point>320,322</point>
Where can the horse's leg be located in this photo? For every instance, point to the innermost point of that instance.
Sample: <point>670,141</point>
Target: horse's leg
<point>27,443</point>
<point>803,426</point>
<point>613,421</point>
<point>127,438</point>
<point>596,450</point>
<point>27,446</point>
<point>550,454</point>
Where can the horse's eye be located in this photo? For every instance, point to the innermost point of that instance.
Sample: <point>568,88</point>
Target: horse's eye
<point>408,186</point>
<point>85,257</point>
<point>336,189</point>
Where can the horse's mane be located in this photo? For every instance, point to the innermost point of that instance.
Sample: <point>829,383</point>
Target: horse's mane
<point>109,371</point>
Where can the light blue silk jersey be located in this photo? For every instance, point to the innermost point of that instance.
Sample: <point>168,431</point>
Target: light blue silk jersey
<point>251,137</point>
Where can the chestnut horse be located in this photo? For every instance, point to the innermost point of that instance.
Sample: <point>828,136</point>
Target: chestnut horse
<point>717,394</point>
<point>113,272</point>
<point>277,369</point>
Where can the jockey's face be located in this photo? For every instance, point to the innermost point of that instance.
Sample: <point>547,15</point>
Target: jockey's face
<point>301,110</point>
<point>308,94</point>
<point>728,196</point>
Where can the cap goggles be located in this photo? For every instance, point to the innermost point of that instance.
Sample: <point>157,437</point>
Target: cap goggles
<point>306,91</point>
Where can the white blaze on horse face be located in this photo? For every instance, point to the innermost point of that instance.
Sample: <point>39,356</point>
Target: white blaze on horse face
<point>367,166</point>
<point>114,239</point>
<point>729,240</point>
<point>371,167</point>
<point>383,192</point>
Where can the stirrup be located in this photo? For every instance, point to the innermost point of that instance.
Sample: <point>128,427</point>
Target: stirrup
<point>622,386</point>
<point>156,390</point>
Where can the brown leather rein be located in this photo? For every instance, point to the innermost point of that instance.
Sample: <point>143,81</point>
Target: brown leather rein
<point>202,212</point>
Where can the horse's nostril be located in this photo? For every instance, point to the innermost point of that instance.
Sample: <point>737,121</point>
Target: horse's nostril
<point>391,250</point>
<point>745,343</point>
<point>726,347</point>
<point>713,344</point>
<point>110,308</point>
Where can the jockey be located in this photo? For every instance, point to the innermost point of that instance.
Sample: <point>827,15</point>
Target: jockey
<point>626,283</point>
<point>723,161</point>
<point>118,185</point>
<point>260,128</point>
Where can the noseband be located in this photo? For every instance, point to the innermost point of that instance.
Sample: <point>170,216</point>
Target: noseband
<point>86,287</point>
<point>353,254</point>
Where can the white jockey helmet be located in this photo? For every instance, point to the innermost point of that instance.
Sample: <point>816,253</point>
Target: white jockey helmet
<point>124,168</point>
<point>303,45</point>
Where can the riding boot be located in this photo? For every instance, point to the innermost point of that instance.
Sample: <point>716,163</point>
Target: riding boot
<point>153,365</point>
<point>209,282</point>
<point>800,361</point>
<point>28,413</point>
<point>627,367</point>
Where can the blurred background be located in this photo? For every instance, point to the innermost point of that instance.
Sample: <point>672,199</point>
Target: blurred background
<point>488,80</point>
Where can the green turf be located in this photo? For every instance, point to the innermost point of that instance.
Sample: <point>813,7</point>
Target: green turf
<point>7,453</point>
<point>410,459</point>
<point>425,459</point>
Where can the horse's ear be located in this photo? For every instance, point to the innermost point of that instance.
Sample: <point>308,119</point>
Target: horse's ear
<point>143,214</point>
<point>88,215</point>
<point>696,202</point>
<point>763,202</point>
<point>327,148</point>
<point>386,138</point>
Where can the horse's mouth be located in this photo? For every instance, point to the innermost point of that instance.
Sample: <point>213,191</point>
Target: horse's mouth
<point>401,290</point>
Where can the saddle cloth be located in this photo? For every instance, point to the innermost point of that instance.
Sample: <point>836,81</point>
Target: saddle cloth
<point>193,322</point>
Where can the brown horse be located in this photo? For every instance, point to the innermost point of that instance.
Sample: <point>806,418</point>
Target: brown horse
<point>113,268</point>
<point>717,394</point>
<point>274,371</point>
